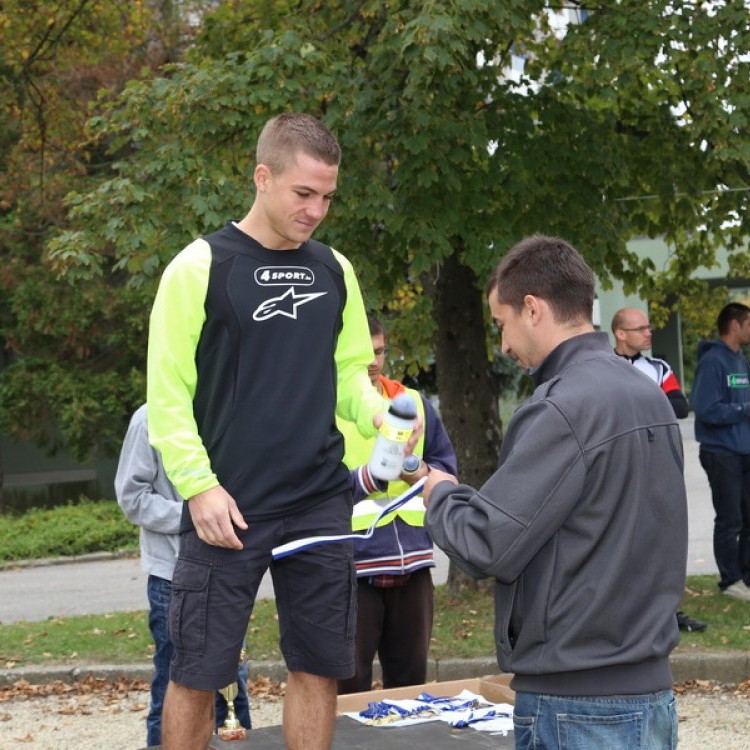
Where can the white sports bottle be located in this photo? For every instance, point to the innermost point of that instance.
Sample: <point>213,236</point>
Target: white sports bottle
<point>398,423</point>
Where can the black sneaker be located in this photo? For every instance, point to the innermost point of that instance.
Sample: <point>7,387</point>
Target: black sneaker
<point>689,625</point>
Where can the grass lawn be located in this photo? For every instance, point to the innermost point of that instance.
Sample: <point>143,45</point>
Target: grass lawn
<point>463,629</point>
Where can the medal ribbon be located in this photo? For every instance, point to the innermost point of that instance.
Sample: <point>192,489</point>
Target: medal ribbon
<point>290,548</point>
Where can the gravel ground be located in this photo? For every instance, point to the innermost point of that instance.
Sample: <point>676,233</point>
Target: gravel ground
<point>709,718</point>
<point>94,714</point>
<point>64,723</point>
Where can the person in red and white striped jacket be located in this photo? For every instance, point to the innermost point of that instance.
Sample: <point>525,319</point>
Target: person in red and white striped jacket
<point>632,332</point>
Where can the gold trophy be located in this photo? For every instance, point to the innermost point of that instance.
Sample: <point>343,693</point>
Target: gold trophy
<point>232,729</point>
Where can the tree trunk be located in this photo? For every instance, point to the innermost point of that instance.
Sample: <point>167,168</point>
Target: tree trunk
<point>468,397</point>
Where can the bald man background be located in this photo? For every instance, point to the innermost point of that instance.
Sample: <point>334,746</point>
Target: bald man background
<point>632,332</point>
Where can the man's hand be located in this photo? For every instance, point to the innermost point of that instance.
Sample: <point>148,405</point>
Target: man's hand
<point>433,478</point>
<point>213,513</point>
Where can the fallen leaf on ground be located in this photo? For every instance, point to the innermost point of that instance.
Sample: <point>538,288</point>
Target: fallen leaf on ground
<point>81,694</point>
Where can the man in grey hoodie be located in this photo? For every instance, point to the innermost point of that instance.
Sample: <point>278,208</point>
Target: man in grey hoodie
<point>721,402</point>
<point>150,501</point>
<point>571,524</point>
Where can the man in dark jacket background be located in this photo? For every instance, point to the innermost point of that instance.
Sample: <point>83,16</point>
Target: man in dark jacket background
<point>721,401</point>
<point>571,525</point>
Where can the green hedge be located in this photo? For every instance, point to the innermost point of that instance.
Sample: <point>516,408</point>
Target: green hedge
<point>76,529</point>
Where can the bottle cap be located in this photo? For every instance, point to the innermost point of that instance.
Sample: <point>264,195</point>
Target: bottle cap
<point>403,406</point>
<point>411,464</point>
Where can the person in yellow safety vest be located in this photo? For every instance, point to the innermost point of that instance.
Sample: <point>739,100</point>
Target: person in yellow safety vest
<point>394,582</point>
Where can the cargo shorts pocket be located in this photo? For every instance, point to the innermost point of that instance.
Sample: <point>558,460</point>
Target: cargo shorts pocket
<point>188,608</point>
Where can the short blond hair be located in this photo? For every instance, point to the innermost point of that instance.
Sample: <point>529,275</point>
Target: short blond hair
<point>284,136</point>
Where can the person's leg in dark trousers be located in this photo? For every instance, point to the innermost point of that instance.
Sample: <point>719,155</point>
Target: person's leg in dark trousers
<point>405,640</point>
<point>242,701</point>
<point>158,591</point>
<point>370,613</point>
<point>726,479</point>
<point>744,537</point>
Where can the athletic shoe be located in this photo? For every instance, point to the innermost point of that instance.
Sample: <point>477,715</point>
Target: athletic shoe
<point>738,590</point>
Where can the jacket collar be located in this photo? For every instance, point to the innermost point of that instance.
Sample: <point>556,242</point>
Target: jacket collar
<point>630,358</point>
<point>391,388</point>
<point>583,346</point>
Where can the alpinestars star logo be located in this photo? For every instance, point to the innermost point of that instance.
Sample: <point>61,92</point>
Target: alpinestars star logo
<point>286,304</point>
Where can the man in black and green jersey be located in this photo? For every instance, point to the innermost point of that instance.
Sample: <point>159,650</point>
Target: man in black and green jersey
<point>258,337</point>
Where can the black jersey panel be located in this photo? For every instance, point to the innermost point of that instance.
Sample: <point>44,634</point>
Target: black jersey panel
<point>266,394</point>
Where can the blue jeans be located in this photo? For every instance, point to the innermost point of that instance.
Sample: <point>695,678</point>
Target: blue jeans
<point>616,722</point>
<point>729,478</point>
<point>159,591</point>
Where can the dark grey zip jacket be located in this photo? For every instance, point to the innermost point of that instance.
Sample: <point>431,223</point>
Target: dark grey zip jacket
<point>584,526</point>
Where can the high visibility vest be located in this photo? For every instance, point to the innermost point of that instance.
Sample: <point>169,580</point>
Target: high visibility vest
<point>357,452</point>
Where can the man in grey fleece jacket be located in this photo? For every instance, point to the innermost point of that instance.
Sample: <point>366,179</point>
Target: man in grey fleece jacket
<point>584,523</point>
<point>151,502</point>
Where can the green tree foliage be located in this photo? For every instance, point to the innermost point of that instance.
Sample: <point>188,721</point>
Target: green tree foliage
<point>632,122</point>
<point>74,366</point>
<point>674,78</point>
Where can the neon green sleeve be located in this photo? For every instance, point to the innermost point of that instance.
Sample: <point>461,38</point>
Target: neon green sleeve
<point>176,322</point>
<point>358,400</point>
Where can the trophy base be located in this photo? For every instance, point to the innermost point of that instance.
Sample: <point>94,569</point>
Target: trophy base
<point>228,735</point>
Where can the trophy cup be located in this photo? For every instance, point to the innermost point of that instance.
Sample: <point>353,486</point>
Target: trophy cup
<point>232,729</point>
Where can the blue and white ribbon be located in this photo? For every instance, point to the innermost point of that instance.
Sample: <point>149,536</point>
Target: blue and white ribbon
<point>290,548</point>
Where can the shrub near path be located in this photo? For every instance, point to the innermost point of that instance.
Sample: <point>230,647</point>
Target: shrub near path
<point>68,530</point>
